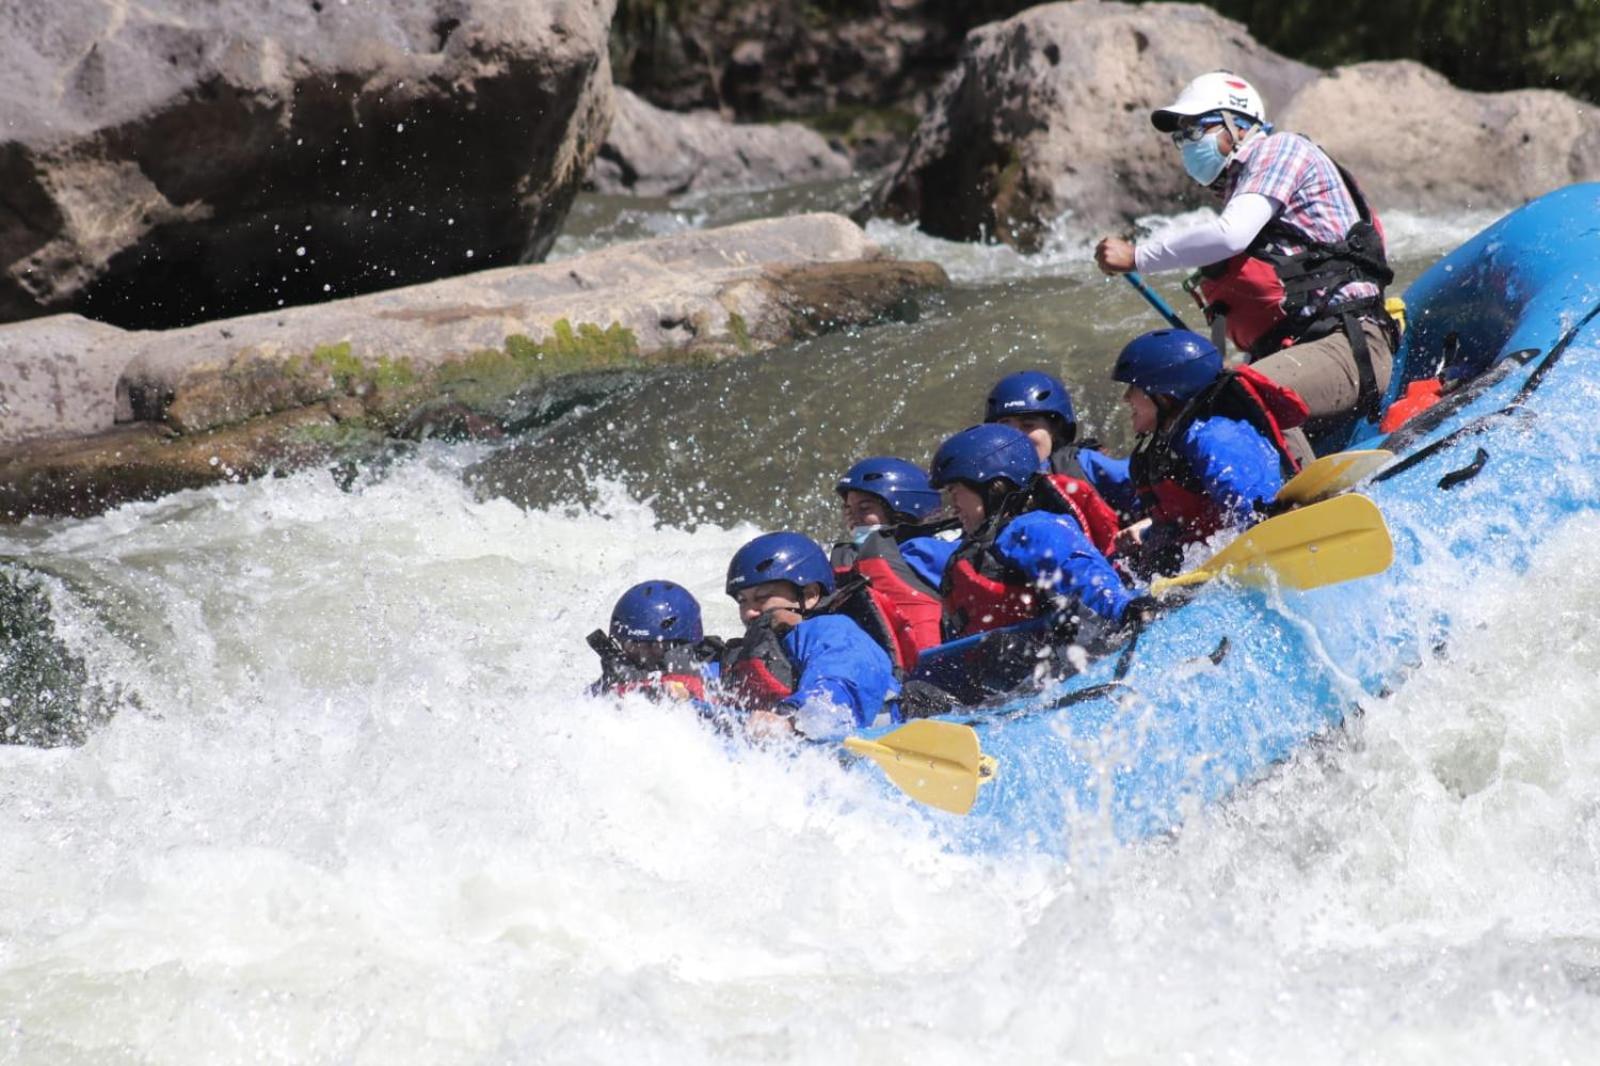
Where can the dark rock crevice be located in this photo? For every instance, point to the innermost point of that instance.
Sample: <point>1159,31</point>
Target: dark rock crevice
<point>300,156</point>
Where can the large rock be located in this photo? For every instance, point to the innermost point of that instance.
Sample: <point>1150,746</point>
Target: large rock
<point>859,70</point>
<point>169,161</point>
<point>765,59</point>
<point>651,152</point>
<point>1418,143</point>
<point>482,354</point>
<point>1049,113</point>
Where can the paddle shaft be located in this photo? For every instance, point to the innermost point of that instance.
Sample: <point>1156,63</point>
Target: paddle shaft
<point>1163,308</point>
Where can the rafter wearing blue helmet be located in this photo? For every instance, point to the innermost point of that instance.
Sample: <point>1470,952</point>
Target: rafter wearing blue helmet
<point>800,667</point>
<point>898,548</point>
<point>1211,452</point>
<point>1015,563</point>
<point>1039,405</point>
<point>656,645</point>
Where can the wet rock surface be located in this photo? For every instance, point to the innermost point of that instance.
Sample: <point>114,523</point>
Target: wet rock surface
<point>166,162</point>
<point>47,697</point>
<point>651,152</point>
<point>480,355</point>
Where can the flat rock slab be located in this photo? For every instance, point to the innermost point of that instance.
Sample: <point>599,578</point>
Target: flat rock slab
<point>127,415</point>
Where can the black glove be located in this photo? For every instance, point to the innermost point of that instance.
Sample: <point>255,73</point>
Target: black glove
<point>1141,611</point>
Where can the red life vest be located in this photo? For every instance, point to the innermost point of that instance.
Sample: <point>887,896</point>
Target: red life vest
<point>664,685</point>
<point>1065,494</point>
<point>757,672</point>
<point>679,677</point>
<point>1273,298</point>
<point>898,608</point>
<point>1170,488</point>
<point>981,592</point>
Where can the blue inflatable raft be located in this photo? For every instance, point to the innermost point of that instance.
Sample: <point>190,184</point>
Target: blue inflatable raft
<point>1215,693</point>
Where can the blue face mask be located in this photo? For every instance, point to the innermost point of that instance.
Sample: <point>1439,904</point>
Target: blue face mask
<point>1203,160</point>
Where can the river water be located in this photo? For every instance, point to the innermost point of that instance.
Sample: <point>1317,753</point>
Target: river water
<point>354,806</point>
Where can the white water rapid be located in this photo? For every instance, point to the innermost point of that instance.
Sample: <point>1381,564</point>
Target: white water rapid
<point>355,807</point>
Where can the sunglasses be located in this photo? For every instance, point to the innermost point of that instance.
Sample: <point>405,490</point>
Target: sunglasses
<point>1190,132</point>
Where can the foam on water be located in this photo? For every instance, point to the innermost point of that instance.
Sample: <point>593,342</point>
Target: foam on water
<point>1068,247</point>
<point>364,812</point>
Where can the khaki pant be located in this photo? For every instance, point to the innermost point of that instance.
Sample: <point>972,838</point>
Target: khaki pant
<point>1324,373</point>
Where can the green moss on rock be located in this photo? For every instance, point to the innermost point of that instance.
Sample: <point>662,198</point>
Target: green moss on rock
<point>338,360</point>
<point>741,332</point>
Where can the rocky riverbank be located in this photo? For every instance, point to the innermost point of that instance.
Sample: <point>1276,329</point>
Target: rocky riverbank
<point>96,415</point>
<point>168,172</point>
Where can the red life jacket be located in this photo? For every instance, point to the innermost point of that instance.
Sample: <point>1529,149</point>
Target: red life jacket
<point>757,672</point>
<point>1065,494</point>
<point>1273,299</point>
<point>1170,488</point>
<point>679,678</point>
<point>898,608</point>
<point>1065,460</point>
<point>982,592</point>
<point>664,685</point>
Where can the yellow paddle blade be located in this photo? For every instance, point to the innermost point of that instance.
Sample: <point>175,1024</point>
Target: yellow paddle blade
<point>936,763</point>
<point>1332,474</point>
<point>1320,544</point>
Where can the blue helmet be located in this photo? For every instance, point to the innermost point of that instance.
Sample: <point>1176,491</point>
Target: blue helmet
<point>784,556</point>
<point>1169,362</point>
<point>899,483</point>
<point>657,611</point>
<point>979,454</point>
<point>1032,392</point>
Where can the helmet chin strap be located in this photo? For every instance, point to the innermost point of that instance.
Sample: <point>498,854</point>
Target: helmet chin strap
<point>1236,136</point>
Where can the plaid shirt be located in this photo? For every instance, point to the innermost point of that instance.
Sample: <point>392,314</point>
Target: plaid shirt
<point>1301,179</point>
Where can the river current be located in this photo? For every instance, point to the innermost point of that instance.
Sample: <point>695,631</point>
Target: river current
<point>354,806</point>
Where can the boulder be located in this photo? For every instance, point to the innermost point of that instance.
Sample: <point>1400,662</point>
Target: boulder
<point>1048,113</point>
<point>483,354</point>
<point>858,70</point>
<point>1418,143</point>
<point>167,161</point>
<point>651,152</point>
<point>763,59</point>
